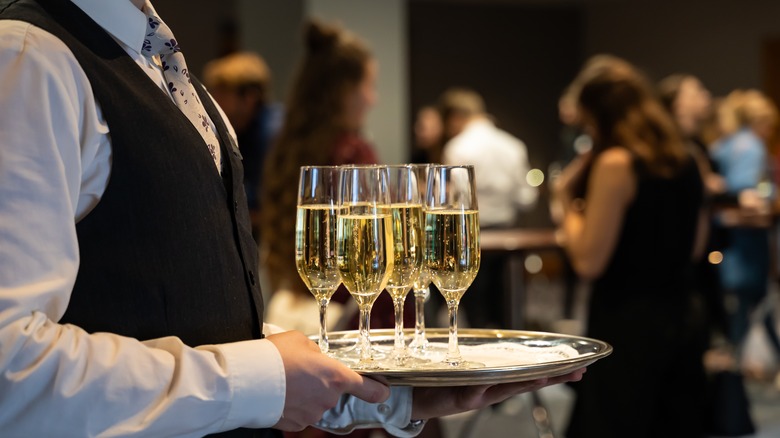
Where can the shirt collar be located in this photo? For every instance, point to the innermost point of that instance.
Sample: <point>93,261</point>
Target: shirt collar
<point>120,18</point>
<point>480,123</point>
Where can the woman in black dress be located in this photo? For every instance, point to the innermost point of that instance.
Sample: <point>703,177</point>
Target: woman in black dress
<point>629,213</point>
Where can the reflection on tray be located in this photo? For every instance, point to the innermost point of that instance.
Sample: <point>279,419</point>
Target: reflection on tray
<point>502,354</point>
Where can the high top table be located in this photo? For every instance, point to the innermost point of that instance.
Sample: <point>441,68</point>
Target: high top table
<point>516,244</point>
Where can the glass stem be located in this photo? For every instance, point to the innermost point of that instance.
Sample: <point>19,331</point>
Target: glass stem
<point>453,352</point>
<point>419,317</point>
<point>323,326</point>
<point>399,346</point>
<point>365,341</point>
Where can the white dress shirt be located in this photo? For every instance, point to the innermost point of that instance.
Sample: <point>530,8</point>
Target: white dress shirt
<point>58,380</point>
<point>500,167</point>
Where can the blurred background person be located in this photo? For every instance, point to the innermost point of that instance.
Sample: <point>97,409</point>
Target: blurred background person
<point>690,105</point>
<point>629,214</point>
<point>500,159</point>
<point>728,409</point>
<point>573,140</point>
<point>428,136</point>
<point>500,166</point>
<point>748,120</point>
<point>688,100</point>
<point>332,91</point>
<point>241,84</point>
<point>325,112</point>
<point>326,106</point>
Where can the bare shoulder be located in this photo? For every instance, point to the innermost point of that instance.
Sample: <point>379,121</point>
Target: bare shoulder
<point>613,169</point>
<point>614,159</point>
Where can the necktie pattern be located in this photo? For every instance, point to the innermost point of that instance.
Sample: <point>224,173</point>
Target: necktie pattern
<point>160,41</point>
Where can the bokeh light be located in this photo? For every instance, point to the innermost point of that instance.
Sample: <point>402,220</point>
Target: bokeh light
<point>533,263</point>
<point>764,189</point>
<point>715,257</point>
<point>534,177</point>
<point>583,144</point>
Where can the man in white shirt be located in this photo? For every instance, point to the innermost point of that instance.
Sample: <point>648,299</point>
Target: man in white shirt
<point>500,166</point>
<point>79,190</point>
<point>500,160</point>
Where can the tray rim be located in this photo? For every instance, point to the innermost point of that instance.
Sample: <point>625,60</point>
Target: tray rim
<point>483,376</point>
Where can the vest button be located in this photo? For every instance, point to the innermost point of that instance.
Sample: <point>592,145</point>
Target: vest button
<point>235,205</point>
<point>252,277</point>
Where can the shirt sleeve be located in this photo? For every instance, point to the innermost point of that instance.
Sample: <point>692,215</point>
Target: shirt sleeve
<point>747,163</point>
<point>57,379</point>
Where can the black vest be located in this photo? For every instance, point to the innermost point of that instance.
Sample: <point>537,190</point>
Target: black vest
<point>168,250</point>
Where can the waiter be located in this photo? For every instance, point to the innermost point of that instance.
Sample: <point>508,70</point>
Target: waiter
<point>129,304</point>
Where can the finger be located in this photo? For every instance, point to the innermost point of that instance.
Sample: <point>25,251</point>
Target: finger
<point>499,393</point>
<point>577,375</point>
<point>574,376</point>
<point>367,389</point>
<point>476,391</point>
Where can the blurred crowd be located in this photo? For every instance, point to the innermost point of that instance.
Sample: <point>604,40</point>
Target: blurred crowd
<point>664,203</point>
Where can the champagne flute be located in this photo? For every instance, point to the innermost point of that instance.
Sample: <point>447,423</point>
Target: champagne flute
<point>406,210</point>
<point>315,237</point>
<point>364,248</point>
<point>452,252</point>
<point>421,285</point>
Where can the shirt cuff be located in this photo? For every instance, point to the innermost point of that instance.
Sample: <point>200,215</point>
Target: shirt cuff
<point>394,414</point>
<point>271,329</point>
<point>257,381</point>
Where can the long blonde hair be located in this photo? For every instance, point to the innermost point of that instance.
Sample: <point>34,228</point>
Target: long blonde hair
<point>747,108</point>
<point>335,63</point>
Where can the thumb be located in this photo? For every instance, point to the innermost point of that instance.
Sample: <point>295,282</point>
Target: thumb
<point>368,389</point>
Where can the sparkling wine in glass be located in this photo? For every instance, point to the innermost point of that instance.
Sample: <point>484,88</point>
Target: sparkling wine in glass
<point>452,251</point>
<point>315,238</point>
<point>406,209</point>
<point>364,249</point>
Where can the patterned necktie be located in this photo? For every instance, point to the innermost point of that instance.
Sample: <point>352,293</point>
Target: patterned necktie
<point>160,41</point>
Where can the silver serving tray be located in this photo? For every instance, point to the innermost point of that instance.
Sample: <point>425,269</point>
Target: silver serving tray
<point>587,352</point>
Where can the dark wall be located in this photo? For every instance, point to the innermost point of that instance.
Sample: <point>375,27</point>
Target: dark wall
<point>717,40</point>
<point>202,28</point>
<point>519,57</point>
